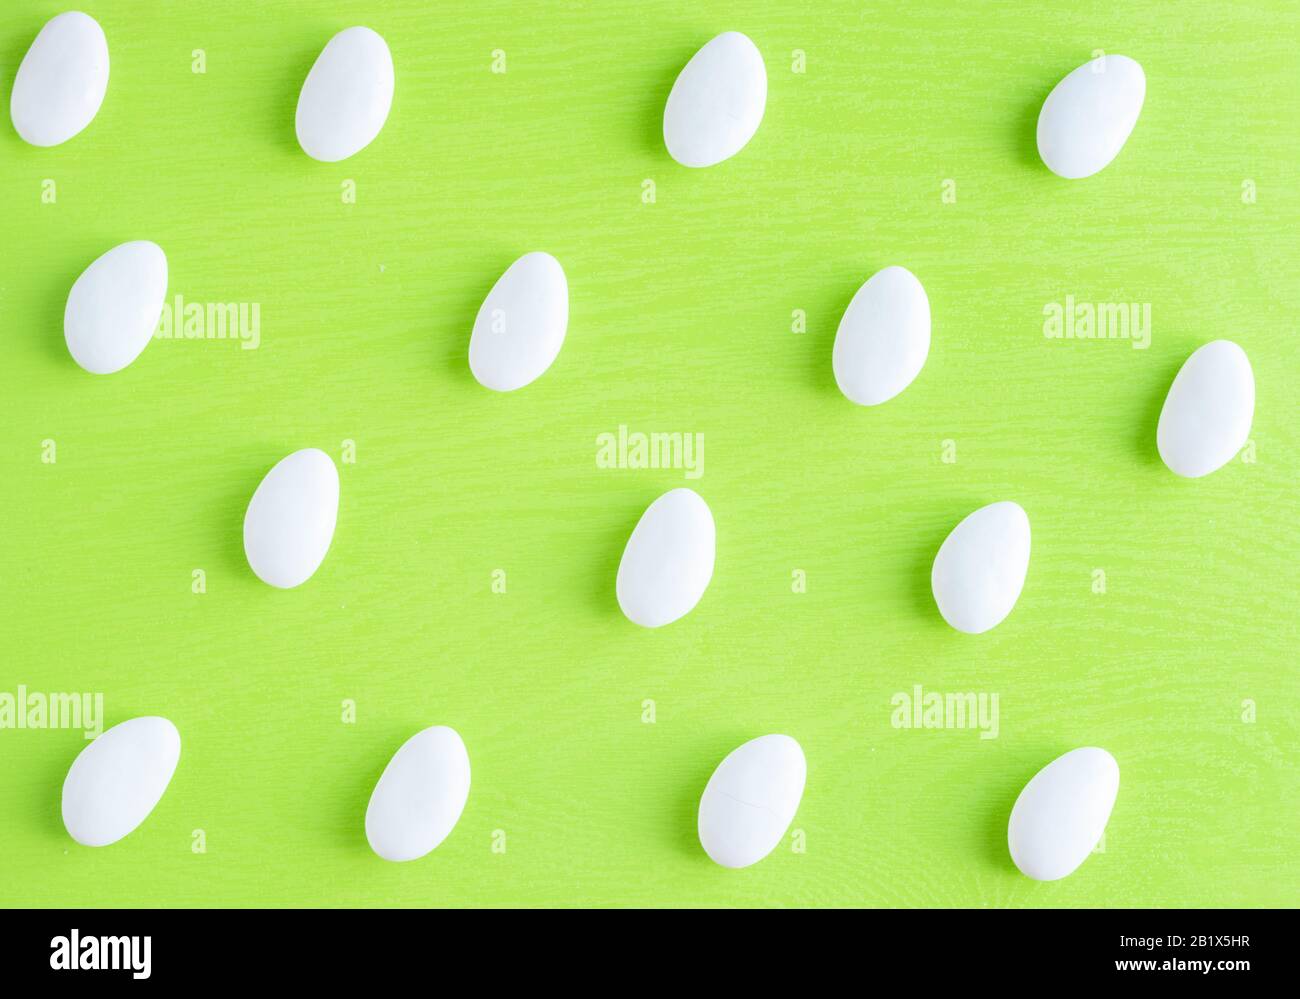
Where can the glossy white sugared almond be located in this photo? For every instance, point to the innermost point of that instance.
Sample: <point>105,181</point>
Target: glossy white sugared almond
<point>346,97</point>
<point>668,561</point>
<point>884,338</point>
<point>114,306</point>
<point>717,102</point>
<point>751,799</point>
<point>290,520</point>
<point>1207,414</point>
<point>1089,115</point>
<point>115,782</point>
<point>521,324</point>
<point>61,81</point>
<point>1061,814</point>
<point>420,795</point>
<point>980,568</point>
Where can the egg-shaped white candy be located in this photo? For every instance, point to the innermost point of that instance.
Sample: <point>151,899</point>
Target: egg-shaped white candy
<point>980,568</point>
<point>115,782</point>
<point>521,324</point>
<point>420,795</point>
<point>1207,414</point>
<point>884,338</point>
<point>113,308</point>
<point>1062,812</point>
<point>717,102</point>
<point>61,81</point>
<point>290,520</point>
<point>668,561</point>
<point>346,97</point>
<point>751,799</point>
<point>1089,115</point>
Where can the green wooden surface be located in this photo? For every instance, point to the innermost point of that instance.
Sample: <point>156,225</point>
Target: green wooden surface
<point>680,321</point>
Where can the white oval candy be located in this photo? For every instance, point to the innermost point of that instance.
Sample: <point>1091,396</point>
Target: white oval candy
<point>751,799</point>
<point>114,306</point>
<point>420,795</point>
<point>1089,115</point>
<point>668,561</point>
<point>115,782</point>
<point>980,568</point>
<point>346,97</point>
<point>520,327</point>
<point>717,102</point>
<point>1062,812</point>
<point>61,81</point>
<point>884,338</point>
<point>1207,414</point>
<point>290,519</point>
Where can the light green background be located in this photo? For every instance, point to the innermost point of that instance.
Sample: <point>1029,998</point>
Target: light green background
<point>681,321</point>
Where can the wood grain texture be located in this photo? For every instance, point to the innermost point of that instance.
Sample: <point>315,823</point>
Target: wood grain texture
<point>680,321</point>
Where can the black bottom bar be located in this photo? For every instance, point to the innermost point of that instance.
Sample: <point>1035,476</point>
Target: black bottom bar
<point>297,947</point>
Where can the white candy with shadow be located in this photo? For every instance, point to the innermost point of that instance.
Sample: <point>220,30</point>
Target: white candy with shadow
<point>1061,814</point>
<point>115,782</point>
<point>1207,414</point>
<point>346,97</point>
<point>717,102</point>
<point>668,561</point>
<point>114,306</point>
<point>420,795</point>
<point>883,339</point>
<point>751,799</point>
<point>980,568</point>
<point>520,326</point>
<point>1089,115</point>
<point>61,82</point>
<point>290,520</point>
